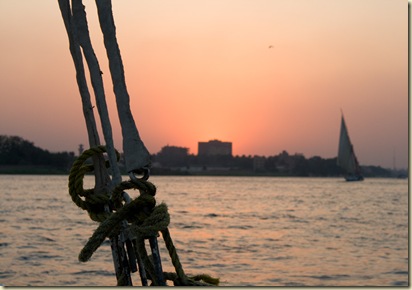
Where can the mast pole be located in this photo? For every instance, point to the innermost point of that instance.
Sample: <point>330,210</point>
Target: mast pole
<point>102,178</point>
<point>80,20</point>
<point>137,157</point>
<point>101,175</point>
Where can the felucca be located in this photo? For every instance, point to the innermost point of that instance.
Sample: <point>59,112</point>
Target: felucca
<point>346,155</point>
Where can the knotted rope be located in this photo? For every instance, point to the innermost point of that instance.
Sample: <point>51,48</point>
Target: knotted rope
<point>93,201</point>
<point>144,218</point>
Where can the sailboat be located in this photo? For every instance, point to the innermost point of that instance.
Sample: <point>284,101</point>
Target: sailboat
<point>346,155</point>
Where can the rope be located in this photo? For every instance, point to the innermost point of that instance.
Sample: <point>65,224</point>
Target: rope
<point>111,223</point>
<point>144,217</point>
<point>94,200</point>
<point>173,255</point>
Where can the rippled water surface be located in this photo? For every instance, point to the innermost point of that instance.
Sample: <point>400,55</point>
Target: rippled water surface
<point>249,231</point>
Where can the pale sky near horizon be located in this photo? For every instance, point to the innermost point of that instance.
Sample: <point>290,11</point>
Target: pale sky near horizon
<point>267,75</point>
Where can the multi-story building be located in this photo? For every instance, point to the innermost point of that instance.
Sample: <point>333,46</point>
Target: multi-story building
<point>173,156</point>
<point>214,147</point>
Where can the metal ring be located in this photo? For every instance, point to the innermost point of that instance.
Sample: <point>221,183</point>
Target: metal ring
<point>144,170</point>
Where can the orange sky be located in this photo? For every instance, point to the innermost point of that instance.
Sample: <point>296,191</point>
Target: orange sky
<point>202,69</point>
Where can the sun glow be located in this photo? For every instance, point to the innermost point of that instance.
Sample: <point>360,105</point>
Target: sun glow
<point>265,75</point>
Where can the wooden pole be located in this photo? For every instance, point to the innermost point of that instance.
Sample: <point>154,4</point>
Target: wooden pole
<point>137,156</point>
<point>101,175</point>
<point>80,21</point>
<point>102,178</point>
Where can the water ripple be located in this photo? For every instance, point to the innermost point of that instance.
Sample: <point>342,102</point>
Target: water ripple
<point>320,229</point>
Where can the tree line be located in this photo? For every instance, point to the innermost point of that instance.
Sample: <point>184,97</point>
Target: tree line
<point>18,155</point>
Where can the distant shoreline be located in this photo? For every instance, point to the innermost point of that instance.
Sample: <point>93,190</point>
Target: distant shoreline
<point>31,170</point>
<point>36,170</point>
<point>19,156</point>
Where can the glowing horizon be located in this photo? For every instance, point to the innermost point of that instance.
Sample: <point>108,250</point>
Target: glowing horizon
<point>267,76</point>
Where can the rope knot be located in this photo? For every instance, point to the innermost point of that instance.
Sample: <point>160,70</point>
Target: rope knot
<point>145,219</point>
<point>92,200</point>
<point>157,221</point>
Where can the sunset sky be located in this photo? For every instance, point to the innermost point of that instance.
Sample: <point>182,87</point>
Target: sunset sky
<point>267,75</point>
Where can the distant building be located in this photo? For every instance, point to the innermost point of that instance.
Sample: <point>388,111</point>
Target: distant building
<point>173,156</point>
<point>174,150</point>
<point>214,147</point>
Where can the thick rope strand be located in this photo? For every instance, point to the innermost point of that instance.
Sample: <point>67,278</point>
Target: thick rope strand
<point>107,226</point>
<point>173,255</point>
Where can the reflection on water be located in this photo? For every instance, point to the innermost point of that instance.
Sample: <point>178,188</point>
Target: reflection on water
<point>248,231</point>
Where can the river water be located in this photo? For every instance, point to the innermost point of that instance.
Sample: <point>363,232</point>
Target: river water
<point>248,231</point>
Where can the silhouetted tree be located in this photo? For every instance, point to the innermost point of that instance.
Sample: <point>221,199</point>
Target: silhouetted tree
<point>15,150</point>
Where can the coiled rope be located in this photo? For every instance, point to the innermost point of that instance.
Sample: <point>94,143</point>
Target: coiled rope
<point>144,218</point>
